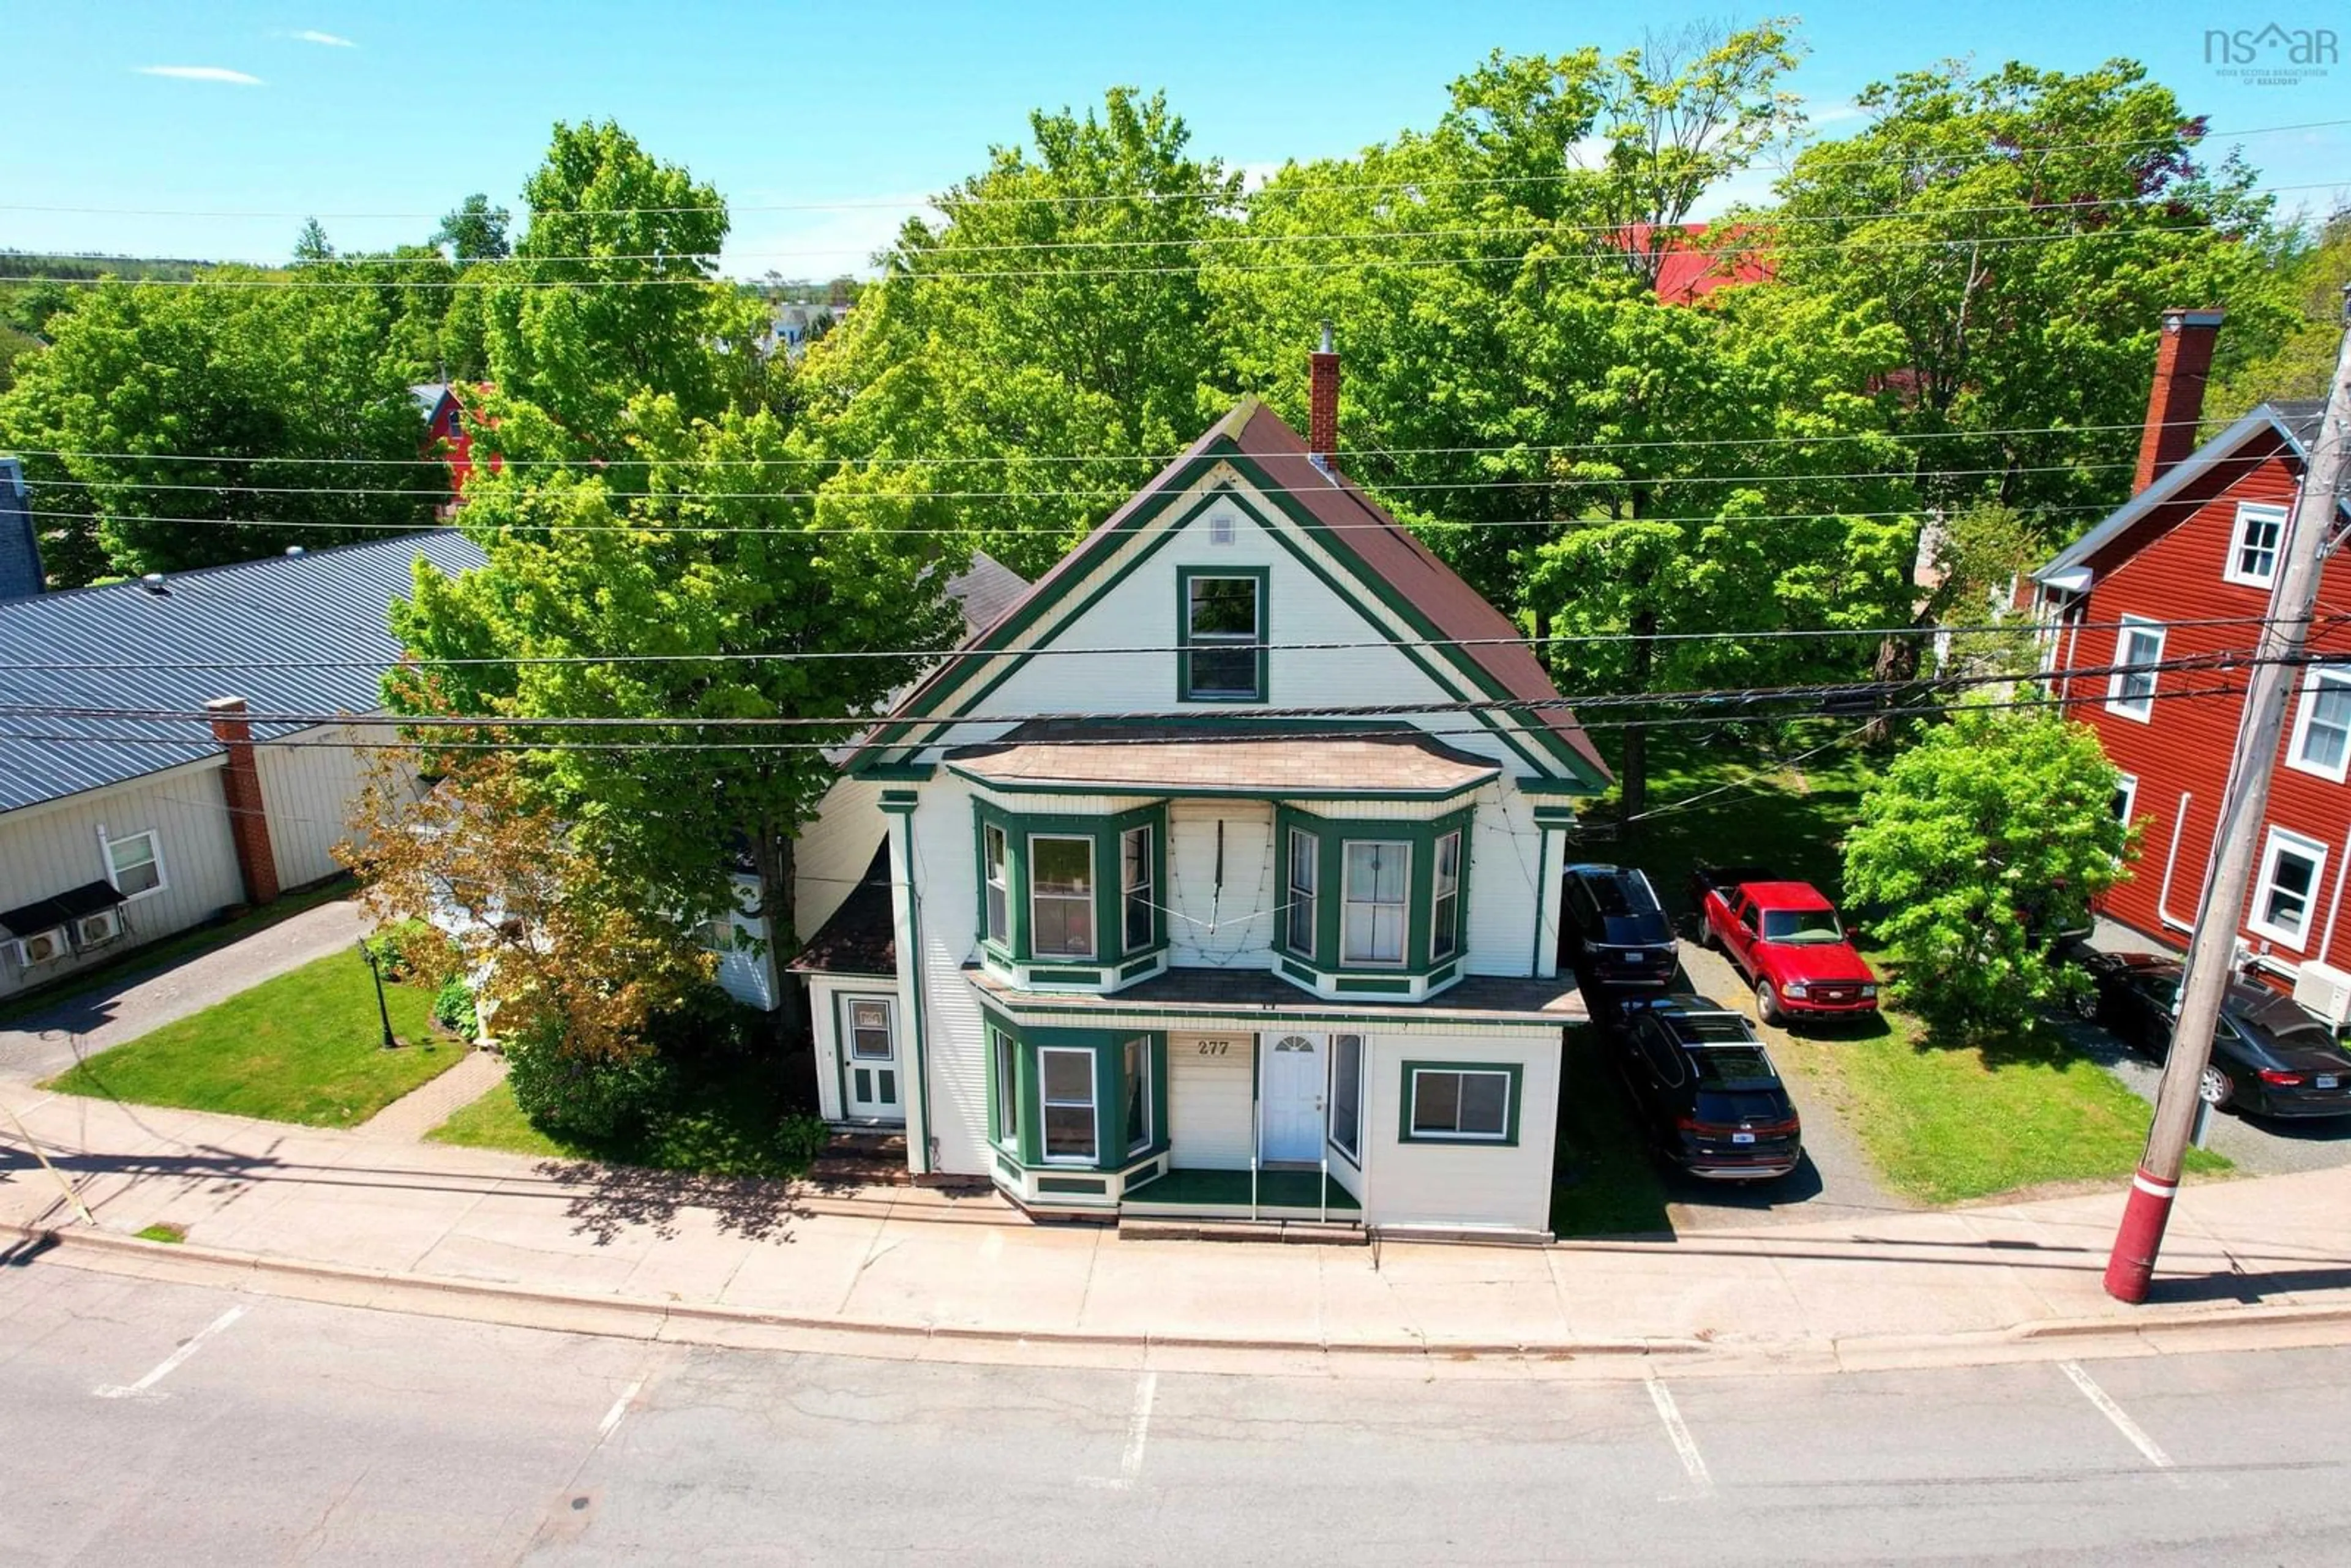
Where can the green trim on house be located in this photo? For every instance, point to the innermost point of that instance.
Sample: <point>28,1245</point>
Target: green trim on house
<point>1548,753</point>
<point>1332,835</point>
<point>1368,985</point>
<point>899,772</point>
<point>1072,1186</point>
<point>1515,1071</point>
<point>1262,575</point>
<point>1108,1046</point>
<point>899,800</point>
<point>1556,817</point>
<point>1105,833</point>
<point>1178,789</point>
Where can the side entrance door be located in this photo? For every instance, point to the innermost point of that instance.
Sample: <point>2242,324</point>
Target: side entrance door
<point>868,1059</point>
<point>1290,1097</point>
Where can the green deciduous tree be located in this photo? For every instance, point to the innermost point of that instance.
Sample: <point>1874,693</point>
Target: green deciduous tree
<point>1052,315</point>
<point>613,291</point>
<point>2022,231</point>
<point>202,424</point>
<point>477,231</point>
<point>1982,843</point>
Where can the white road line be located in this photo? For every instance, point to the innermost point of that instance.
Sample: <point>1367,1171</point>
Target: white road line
<point>2114,1413</point>
<point>170,1363</point>
<point>1138,1428</point>
<point>1693,1462</point>
<point>620,1408</point>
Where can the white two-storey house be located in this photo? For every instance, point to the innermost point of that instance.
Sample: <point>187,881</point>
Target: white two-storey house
<point>1161,922</point>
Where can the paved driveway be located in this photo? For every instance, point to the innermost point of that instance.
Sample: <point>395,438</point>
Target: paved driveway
<point>1835,1181</point>
<point>129,1005</point>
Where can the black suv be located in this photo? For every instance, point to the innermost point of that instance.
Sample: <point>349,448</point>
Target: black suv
<point>1615,932</point>
<point>1709,1097</point>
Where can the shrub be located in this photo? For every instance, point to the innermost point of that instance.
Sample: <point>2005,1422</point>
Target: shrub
<point>799,1140</point>
<point>412,950</point>
<point>706,1023</point>
<point>568,1093</point>
<point>452,1007</point>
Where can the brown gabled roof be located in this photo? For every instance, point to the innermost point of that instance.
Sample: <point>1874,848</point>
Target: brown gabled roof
<point>1357,526</point>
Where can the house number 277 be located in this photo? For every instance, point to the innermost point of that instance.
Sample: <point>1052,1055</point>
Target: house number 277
<point>1215,1047</point>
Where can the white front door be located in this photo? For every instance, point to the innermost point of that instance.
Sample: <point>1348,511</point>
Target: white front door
<point>868,1059</point>
<point>1289,1096</point>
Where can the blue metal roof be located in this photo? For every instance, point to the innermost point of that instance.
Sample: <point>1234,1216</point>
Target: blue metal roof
<point>327,605</point>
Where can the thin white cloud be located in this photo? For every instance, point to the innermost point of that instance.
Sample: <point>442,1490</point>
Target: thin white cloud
<point>1833,110</point>
<point>200,73</point>
<point>312,35</point>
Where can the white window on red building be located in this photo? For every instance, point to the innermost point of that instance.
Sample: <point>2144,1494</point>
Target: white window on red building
<point>2322,724</point>
<point>2284,899</point>
<point>2130,690</point>
<point>2253,551</point>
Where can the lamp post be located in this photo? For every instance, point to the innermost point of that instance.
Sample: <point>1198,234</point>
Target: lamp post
<point>381,1011</point>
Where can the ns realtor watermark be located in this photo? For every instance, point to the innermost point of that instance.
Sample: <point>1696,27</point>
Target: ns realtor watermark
<point>2272,55</point>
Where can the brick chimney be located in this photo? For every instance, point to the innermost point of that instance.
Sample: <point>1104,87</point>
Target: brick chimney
<point>2176,404</point>
<point>248,819</point>
<point>1323,402</point>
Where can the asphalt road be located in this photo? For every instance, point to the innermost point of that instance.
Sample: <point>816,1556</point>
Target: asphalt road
<point>148,1423</point>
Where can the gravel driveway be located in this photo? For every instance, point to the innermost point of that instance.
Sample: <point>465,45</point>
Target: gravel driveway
<point>1835,1181</point>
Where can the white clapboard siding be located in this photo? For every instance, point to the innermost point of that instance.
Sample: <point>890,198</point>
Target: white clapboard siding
<point>955,1047</point>
<point>47,849</point>
<point>1462,1184</point>
<point>309,788</point>
<point>1227,923</point>
<point>1209,1125</point>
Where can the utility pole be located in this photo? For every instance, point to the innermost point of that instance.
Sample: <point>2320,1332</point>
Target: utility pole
<point>2212,955</point>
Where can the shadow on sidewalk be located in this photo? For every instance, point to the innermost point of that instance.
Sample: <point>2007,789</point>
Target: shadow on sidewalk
<point>607,1200</point>
<point>2250,1289</point>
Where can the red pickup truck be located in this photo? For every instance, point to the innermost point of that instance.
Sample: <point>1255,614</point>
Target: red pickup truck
<point>1786,938</point>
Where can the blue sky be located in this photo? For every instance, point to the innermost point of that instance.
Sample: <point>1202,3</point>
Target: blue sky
<point>849,112</point>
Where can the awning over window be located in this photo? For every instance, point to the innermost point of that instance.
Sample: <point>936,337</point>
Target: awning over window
<point>64,909</point>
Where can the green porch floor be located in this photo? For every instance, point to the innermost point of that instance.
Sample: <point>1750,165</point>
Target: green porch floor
<point>1227,1189</point>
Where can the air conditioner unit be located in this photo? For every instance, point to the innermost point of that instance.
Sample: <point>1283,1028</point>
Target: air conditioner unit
<point>42,946</point>
<point>99,929</point>
<point>2325,990</point>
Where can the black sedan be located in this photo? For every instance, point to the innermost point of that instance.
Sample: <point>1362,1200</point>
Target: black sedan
<point>2270,1056</point>
<point>1707,1093</point>
<point>1614,931</point>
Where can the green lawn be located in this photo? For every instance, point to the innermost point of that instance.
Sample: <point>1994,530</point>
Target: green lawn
<point>723,1118</point>
<point>1942,1124</point>
<point>159,953</point>
<point>1602,1180</point>
<point>305,1047</point>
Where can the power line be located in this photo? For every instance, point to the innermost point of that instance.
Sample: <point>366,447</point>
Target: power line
<point>1294,188</point>
<point>1571,639</point>
<point>918,274</point>
<point>1159,457</point>
<point>1842,692</point>
<point>1927,709</point>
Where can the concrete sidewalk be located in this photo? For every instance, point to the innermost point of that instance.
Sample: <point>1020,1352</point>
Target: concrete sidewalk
<point>472,1233</point>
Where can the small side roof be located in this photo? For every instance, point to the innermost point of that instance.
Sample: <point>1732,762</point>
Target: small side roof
<point>862,937</point>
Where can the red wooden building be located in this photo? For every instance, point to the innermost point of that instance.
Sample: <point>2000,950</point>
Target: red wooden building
<point>447,435</point>
<point>2185,570</point>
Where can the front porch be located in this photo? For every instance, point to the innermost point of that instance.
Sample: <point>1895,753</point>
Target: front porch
<point>1228,1195</point>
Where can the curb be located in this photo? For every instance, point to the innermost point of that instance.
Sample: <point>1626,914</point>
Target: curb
<point>2155,1332</point>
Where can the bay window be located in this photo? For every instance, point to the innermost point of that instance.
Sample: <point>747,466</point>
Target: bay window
<point>1061,896</point>
<point>1445,905</point>
<point>1066,1079</point>
<point>1305,871</point>
<point>1137,913</point>
<point>997,924</point>
<point>1377,876</point>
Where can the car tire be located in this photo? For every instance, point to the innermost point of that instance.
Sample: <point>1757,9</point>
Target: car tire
<point>2085,1005</point>
<point>1767,1005</point>
<point>2214,1088</point>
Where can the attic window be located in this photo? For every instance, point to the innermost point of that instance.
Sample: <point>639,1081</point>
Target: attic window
<point>2253,552</point>
<point>1222,615</point>
<point>1220,528</point>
